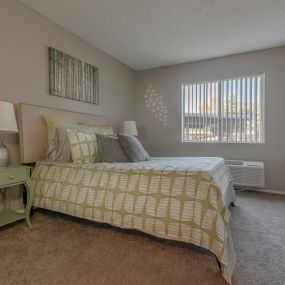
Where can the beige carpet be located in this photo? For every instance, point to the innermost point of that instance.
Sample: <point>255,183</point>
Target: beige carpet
<point>258,230</point>
<point>61,250</point>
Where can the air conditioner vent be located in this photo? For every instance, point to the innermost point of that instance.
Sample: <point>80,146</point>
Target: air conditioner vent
<point>247,173</point>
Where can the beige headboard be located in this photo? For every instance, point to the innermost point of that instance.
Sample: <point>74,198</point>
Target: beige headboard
<point>33,132</point>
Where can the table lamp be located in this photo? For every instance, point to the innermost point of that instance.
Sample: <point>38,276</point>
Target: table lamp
<point>8,124</point>
<point>130,128</point>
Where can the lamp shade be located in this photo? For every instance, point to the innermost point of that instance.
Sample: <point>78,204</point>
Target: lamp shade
<point>130,128</point>
<point>8,123</point>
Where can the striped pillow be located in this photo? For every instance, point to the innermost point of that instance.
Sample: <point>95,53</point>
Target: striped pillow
<point>83,147</point>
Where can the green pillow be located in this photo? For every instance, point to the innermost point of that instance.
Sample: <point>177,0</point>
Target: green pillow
<point>53,123</point>
<point>104,129</point>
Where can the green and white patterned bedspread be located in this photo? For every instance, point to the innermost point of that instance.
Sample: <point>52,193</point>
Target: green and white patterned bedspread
<point>174,198</point>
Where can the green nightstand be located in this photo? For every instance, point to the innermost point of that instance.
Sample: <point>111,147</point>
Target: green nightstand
<point>12,176</point>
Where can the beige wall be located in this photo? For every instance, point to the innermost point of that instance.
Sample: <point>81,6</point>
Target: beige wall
<point>166,141</point>
<point>24,39</point>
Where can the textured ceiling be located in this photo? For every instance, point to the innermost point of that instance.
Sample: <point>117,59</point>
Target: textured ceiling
<point>151,33</point>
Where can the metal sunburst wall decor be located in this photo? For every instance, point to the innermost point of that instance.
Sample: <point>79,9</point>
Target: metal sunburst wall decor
<point>155,102</point>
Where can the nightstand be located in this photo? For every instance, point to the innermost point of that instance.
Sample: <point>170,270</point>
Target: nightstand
<point>13,176</point>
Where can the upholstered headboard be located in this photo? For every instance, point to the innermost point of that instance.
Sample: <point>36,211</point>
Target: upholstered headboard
<point>33,131</point>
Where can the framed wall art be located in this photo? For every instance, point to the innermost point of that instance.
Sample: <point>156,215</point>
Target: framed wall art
<point>72,78</point>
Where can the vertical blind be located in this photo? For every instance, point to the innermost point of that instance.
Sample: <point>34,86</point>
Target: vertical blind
<point>228,110</point>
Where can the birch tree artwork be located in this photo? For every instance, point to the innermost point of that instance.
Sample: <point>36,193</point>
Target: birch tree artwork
<point>154,101</point>
<point>72,78</point>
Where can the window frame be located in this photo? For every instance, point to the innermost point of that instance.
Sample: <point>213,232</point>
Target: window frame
<point>219,81</point>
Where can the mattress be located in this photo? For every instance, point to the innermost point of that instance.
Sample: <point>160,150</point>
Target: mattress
<point>182,198</point>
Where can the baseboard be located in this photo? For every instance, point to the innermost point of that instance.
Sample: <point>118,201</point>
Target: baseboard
<point>269,191</point>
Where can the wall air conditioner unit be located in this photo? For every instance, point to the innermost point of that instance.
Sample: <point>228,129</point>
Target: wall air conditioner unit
<point>247,174</point>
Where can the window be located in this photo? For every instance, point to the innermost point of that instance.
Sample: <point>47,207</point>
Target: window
<point>226,111</point>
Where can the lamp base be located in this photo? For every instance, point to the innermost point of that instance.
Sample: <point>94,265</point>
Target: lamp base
<point>4,155</point>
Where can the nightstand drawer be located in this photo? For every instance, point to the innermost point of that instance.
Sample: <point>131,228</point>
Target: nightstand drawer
<point>13,176</point>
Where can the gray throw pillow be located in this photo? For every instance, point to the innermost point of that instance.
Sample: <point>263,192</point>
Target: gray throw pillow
<point>133,148</point>
<point>109,149</point>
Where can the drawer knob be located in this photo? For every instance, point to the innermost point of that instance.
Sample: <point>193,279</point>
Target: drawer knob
<point>11,177</point>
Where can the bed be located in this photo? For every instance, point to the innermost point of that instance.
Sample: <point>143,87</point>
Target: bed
<point>184,199</point>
